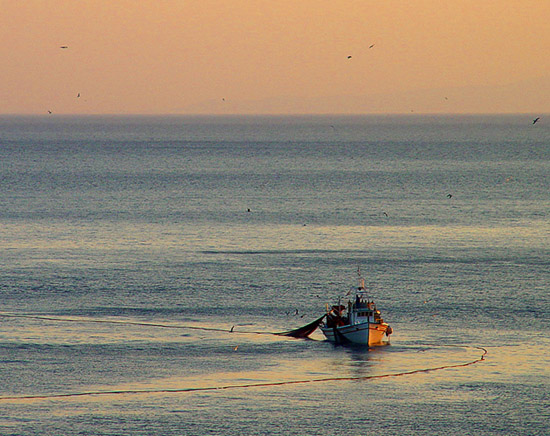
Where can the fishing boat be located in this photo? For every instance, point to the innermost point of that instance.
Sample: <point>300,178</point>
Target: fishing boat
<point>357,321</point>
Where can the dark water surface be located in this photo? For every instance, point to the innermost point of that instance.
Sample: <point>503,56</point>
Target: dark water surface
<point>120,233</point>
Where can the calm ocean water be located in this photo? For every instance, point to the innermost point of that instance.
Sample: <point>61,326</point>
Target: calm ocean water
<point>131,245</point>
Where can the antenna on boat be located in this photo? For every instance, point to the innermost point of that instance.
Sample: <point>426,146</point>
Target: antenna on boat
<point>361,279</point>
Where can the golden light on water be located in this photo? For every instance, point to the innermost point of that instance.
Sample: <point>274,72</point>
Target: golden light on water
<point>257,237</point>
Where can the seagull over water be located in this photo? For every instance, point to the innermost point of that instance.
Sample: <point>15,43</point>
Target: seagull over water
<point>536,119</point>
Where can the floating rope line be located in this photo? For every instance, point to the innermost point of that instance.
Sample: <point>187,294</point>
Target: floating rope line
<point>244,386</point>
<point>143,324</point>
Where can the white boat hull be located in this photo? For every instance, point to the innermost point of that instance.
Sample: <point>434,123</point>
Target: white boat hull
<point>364,333</point>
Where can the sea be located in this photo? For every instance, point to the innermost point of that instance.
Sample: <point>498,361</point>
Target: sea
<point>147,261</point>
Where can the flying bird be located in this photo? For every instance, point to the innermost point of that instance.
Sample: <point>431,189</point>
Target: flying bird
<point>349,57</point>
<point>536,119</point>
<point>449,195</point>
<point>64,46</point>
<point>50,112</point>
<point>371,46</point>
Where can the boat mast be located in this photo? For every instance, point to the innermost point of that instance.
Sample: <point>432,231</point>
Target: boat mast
<point>361,279</point>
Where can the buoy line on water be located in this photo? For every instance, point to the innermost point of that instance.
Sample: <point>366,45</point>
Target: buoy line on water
<point>214,388</point>
<point>136,323</point>
<point>252,385</point>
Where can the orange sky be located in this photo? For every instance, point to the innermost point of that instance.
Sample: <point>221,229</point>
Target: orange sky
<point>252,56</point>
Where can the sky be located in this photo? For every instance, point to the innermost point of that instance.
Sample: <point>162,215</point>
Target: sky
<point>274,57</point>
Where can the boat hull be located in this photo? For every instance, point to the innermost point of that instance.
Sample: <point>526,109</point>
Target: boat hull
<point>364,333</point>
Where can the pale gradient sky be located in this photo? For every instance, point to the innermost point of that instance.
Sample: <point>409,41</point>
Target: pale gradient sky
<point>185,57</point>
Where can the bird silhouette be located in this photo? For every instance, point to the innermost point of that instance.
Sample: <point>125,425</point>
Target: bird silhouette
<point>64,46</point>
<point>349,57</point>
<point>536,119</point>
<point>371,46</point>
<point>449,195</point>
